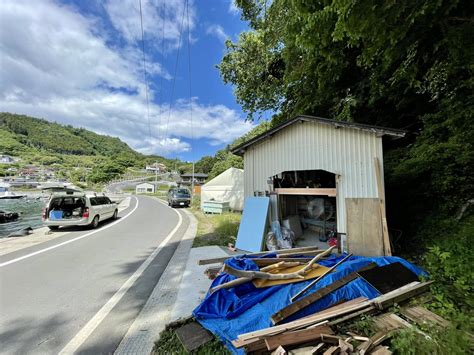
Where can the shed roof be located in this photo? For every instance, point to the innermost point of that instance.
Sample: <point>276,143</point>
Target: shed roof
<point>382,131</point>
<point>196,175</point>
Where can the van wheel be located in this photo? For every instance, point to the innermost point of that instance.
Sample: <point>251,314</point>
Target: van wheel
<point>115,215</point>
<point>53,228</point>
<point>95,222</point>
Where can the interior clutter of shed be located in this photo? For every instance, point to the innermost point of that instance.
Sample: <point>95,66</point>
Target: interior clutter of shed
<point>308,215</point>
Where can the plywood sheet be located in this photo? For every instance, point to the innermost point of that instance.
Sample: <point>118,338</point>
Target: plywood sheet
<point>310,275</point>
<point>193,335</point>
<point>253,225</point>
<point>364,227</point>
<point>389,277</point>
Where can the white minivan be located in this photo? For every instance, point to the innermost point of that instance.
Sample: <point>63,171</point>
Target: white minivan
<point>73,208</point>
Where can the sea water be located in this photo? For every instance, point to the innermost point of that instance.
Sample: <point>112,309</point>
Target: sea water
<point>29,209</point>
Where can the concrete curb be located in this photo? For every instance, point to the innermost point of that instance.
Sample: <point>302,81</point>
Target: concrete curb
<point>157,311</point>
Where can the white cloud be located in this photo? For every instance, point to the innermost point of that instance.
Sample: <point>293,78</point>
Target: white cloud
<point>233,9</point>
<point>217,31</point>
<point>55,65</point>
<point>125,17</point>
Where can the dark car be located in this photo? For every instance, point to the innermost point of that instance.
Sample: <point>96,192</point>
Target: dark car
<point>179,197</point>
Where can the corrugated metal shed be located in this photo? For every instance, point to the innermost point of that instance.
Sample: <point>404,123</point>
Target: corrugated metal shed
<point>346,151</point>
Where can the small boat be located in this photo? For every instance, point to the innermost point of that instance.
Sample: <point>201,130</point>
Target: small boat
<point>6,217</point>
<point>6,194</point>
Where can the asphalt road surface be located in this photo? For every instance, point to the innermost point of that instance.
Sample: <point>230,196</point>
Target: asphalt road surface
<point>81,292</point>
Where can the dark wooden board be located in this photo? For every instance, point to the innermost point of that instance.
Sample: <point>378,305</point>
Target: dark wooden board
<point>304,302</point>
<point>389,277</point>
<point>192,336</point>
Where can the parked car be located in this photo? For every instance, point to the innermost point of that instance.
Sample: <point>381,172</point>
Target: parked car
<point>179,196</point>
<point>72,208</point>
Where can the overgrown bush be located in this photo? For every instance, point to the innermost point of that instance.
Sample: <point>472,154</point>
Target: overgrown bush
<point>433,341</point>
<point>450,263</point>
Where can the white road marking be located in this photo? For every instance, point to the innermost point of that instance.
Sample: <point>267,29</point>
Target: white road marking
<point>70,240</point>
<point>87,330</point>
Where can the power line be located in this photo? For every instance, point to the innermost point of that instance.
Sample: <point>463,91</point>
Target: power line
<point>189,69</point>
<point>175,69</point>
<point>160,101</point>
<point>144,72</point>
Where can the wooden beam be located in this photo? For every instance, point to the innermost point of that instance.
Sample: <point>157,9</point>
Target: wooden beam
<point>307,287</point>
<point>296,337</point>
<point>307,191</point>
<point>381,193</point>
<point>401,294</point>
<point>310,299</point>
<point>270,261</point>
<point>281,251</point>
<point>307,321</point>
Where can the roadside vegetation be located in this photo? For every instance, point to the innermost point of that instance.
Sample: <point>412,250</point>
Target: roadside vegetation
<point>215,229</point>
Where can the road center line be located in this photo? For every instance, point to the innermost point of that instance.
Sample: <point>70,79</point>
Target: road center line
<point>70,240</point>
<point>87,330</point>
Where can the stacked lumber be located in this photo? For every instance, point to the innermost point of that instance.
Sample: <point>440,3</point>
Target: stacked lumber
<point>317,329</point>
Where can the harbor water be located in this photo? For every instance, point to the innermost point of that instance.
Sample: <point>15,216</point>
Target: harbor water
<point>29,209</point>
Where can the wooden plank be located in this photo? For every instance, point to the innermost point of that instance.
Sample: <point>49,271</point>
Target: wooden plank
<point>270,261</point>
<point>281,251</point>
<point>310,299</point>
<point>313,273</point>
<point>307,321</point>
<point>279,351</point>
<point>193,335</point>
<point>381,192</point>
<point>304,253</point>
<point>390,321</point>
<point>389,277</point>
<point>421,315</point>
<point>308,286</point>
<point>296,337</point>
<point>401,294</point>
<point>330,339</point>
<point>310,191</point>
<point>364,227</point>
<point>333,350</point>
<point>368,310</point>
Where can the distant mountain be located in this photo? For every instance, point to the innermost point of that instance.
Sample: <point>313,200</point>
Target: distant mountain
<point>20,133</point>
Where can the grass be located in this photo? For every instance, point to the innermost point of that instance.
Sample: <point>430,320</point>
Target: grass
<point>216,229</point>
<point>168,343</point>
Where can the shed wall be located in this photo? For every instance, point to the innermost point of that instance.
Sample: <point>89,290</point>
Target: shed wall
<point>346,152</point>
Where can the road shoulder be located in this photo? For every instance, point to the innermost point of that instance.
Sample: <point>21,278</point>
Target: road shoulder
<point>157,311</point>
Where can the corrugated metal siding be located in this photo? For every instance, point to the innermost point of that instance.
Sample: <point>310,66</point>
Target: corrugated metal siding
<point>310,146</point>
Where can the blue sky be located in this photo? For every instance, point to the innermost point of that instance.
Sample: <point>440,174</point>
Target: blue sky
<point>80,63</point>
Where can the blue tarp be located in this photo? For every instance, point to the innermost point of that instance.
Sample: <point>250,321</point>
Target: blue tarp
<point>245,308</point>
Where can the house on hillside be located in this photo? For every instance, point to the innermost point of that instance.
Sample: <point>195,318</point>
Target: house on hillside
<point>145,187</point>
<point>187,179</point>
<point>6,159</point>
<point>156,168</point>
<point>313,168</point>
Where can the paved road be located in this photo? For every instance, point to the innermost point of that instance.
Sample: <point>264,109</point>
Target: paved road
<point>71,293</point>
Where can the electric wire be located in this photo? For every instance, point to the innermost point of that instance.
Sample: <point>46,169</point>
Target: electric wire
<point>160,100</point>
<point>144,72</point>
<point>175,70</point>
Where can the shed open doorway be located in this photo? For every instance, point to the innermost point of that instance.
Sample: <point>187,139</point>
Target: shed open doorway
<point>306,203</point>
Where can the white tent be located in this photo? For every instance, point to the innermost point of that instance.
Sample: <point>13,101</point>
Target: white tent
<point>226,187</point>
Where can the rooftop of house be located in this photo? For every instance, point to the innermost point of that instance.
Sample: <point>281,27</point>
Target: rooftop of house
<point>196,175</point>
<point>382,131</point>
